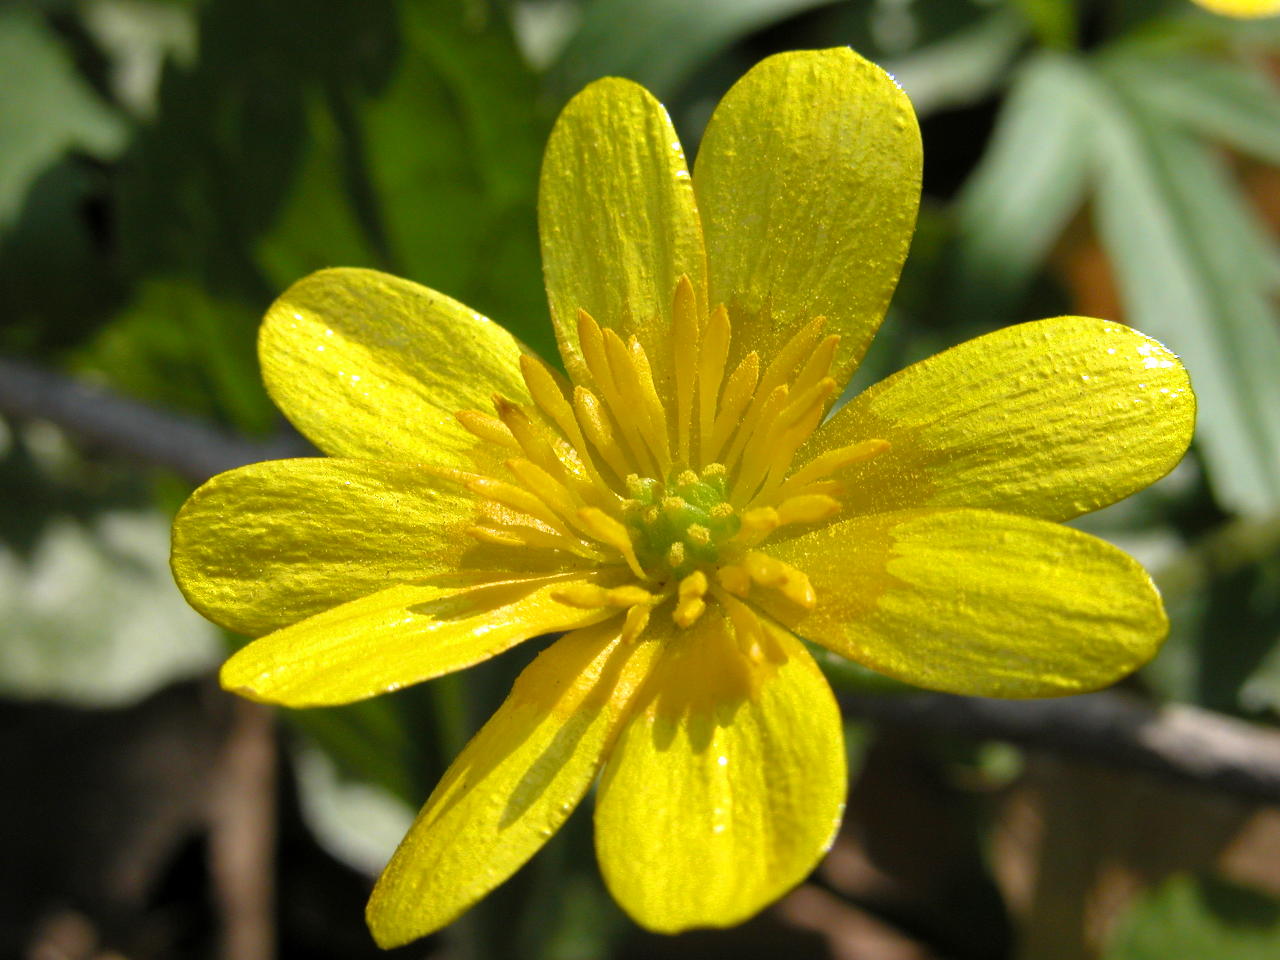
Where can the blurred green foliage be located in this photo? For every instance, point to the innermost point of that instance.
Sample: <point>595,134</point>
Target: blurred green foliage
<point>166,167</point>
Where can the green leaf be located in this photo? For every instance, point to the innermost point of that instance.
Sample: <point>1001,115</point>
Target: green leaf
<point>1231,103</point>
<point>177,346</point>
<point>47,108</point>
<point>1030,182</point>
<point>89,616</point>
<point>1198,918</point>
<point>963,66</point>
<point>431,174</point>
<point>1192,274</point>
<point>1054,21</point>
<point>659,43</point>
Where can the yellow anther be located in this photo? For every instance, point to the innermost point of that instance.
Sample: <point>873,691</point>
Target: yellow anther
<point>737,393</point>
<point>786,579</point>
<point>675,555</point>
<point>711,360</point>
<point>688,611</point>
<point>833,460</point>
<point>595,425</point>
<point>686,478</point>
<point>487,427</point>
<point>545,487</point>
<point>694,585</point>
<point>764,569</point>
<point>690,605</point>
<point>734,578</point>
<point>584,596</point>
<point>502,538</point>
<point>697,534</point>
<point>808,508</point>
<point>684,343</point>
<point>629,595</point>
<point>760,521</point>
<point>517,499</point>
<point>746,627</point>
<point>818,365</point>
<point>713,471</point>
<point>637,620</point>
<point>612,533</point>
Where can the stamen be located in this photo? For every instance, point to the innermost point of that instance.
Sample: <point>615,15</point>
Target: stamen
<point>589,596</point>
<point>517,499</point>
<point>547,489</point>
<point>791,583</point>
<point>711,360</point>
<point>734,578</point>
<point>746,626</point>
<point>675,555</point>
<point>684,343</point>
<point>535,445</point>
<point>757,423</point>
<point>549,398</point>
<point>831,461</point>
<point>653,404</point>
<point>487,427</point>
<point>630,409</point>
<point>817,366</point>
<point>520,535</point>
<point>609,531</point>
<point>690,605</point>
<point>637,620</point>
<point>807,508</point>
<point>737,394</point>
<point>595,424</point>
<point>596,356</point>
<point>758,524</point>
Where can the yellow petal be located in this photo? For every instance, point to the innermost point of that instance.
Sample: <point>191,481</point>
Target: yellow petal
<point>618,222</point>
<point>514,784</point>
<point>369,365</point>
<point>727,785</point>
<point>808,179</point>
<point>977,602</point>
<point>1242,8</point>
<point>267,545</point>
<point>402,635</point>
<point>1049,419</point>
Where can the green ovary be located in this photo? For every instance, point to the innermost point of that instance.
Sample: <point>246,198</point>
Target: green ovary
<point>680,525</point>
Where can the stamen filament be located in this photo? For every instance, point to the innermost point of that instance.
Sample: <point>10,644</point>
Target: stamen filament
<point>549,398</point>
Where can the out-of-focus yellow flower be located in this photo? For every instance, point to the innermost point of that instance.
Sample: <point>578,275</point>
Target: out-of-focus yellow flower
<point>677,505</point>
<point>1242,8</point>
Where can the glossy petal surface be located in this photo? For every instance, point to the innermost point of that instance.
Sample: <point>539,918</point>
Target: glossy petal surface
<point>513,785</point>
<point>977,602</point>
<point>267,545</point>
<point>727,785</point>
<point>1049,419</point>
<point>400,636</point>
<point>617,219</point>
<point>808,179</point>
<point>369,365</point>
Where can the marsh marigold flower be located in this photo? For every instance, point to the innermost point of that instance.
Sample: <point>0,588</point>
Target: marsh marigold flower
<point>680,506</point>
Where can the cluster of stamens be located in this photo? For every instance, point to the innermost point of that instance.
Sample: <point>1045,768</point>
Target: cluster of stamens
<point>679,491</point>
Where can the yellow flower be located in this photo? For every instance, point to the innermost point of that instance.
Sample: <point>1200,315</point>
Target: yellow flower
<point>1242,8</point>
<point>678,506</point>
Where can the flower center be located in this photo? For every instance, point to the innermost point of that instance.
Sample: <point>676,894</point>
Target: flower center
<point>678,472</point>
<point>681,525</point>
